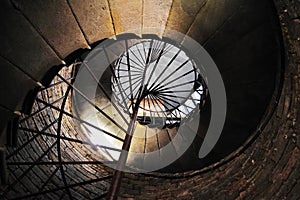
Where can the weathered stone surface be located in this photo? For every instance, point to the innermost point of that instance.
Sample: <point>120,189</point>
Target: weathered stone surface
<point>151,144</point>
<point>22,45</point>
<point>14,85</point>
<point>155,16</point>
<point>94,18</point>
<point>182,15</point>
<point>211,17</point>
<point>126,15</point>
<point>55,21</point>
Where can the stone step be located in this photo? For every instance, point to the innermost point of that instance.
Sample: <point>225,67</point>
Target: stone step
<point>155,16</point>
<point>126,16</point>
<point>94,18</point>
<point>56,23</point>
<point>22,45</point>
<point>211,17</point>
<point>181,17</point>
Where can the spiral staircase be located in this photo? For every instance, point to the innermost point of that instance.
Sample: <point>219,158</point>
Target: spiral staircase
<point>47,149</point>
